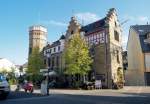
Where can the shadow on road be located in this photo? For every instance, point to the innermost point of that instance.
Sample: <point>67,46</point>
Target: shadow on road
<point>21,94</point>
<point>134,98</point>
<point>126,98</point>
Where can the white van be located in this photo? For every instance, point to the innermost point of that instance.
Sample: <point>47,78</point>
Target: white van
<point>4,87</point>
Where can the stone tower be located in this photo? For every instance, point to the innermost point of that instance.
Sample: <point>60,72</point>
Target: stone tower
<point>37,37</point>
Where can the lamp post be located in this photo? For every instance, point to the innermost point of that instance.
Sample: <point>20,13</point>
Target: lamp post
<point>48,70</point>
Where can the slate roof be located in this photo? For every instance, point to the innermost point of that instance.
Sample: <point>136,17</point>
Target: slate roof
<point>94,26</point>
<point>142,31</point>
<point>62,37</point>
<point>56,43</point>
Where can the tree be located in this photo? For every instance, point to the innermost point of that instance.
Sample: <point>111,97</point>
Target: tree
<point>77,58</point>
<point>120,78</point>
<point>21,70</point>
<point>35,62</point>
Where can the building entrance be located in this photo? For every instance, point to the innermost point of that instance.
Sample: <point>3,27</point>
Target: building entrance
<point>147,78</point>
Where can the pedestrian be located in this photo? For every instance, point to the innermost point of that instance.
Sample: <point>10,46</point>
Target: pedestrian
<point>44,87</point>
<point>100,84</point>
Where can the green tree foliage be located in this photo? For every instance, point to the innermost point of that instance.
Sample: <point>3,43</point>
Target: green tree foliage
<point>120,77</point>
<point>77,57</point>
<point>35,62</point>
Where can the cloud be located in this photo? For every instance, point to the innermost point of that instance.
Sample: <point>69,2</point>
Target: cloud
<point>143,19</point>
<point>136,19</point>
<point>87,17</point>
<point>55,23</point>
<point>133,20</point>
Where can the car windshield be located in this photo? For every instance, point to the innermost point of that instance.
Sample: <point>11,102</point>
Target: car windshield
<point>2,78</point>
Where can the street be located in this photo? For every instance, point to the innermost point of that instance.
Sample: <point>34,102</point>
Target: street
<point>128,95</point>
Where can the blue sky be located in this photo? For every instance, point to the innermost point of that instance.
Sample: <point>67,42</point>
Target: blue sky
<point>17,15</point>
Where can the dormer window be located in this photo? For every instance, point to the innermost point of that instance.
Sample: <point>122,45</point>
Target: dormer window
<point>147,38</point>
<point>148,35</point>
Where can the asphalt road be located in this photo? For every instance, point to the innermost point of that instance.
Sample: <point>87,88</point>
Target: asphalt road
<point>84,97</point>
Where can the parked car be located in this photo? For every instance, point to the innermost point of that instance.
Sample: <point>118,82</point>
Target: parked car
<point>88,85</point>
<point>53,84</point>
<point>28,87</point>
<point>4,87</point>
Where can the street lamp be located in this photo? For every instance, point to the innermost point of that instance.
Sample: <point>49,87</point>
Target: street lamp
<point>48,70</point>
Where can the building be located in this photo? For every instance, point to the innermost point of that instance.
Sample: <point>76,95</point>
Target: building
<point>37,37</point>
<point>53,55</point>
<point>8,66</point>
<point>138,48</point>
<point>104,40</point>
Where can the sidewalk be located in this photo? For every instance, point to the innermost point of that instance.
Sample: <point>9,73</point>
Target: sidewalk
<point>126,89</point>
<point>59,91</point>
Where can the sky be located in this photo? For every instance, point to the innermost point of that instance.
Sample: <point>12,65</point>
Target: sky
<point>16,16</point>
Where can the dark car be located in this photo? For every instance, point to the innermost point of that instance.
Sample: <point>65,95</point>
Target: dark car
<point>88,85</point>
<point>4,87</point>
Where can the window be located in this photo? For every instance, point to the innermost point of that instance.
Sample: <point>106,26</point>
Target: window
<point>58,48</point>
<point>148,35</point>
<point>53,59</point>
<point>30,50</point>
<point>45,62</point>
<point>57,61</point>
<point>118,57</point>
<point>72,32</point>
<point>54,49</point>
<point>49,62</point>
<point>116,35</point>
<point>115,24</point>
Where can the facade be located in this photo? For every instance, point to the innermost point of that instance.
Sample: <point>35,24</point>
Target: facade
<point>37,37</point>
<point>104,40</point>
<point>53,55</point>
<point>138,48</point>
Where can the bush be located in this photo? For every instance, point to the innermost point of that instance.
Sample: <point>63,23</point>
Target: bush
<point>12,81</point>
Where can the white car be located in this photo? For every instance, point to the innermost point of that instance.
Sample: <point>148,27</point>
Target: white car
<point>4,87</point>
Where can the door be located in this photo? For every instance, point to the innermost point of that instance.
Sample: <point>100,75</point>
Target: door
<point>147,78</point>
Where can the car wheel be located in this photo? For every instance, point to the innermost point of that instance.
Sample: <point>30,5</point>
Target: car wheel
<point>31,91</point>
<point>25,90</point>
<point>3,97</point>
